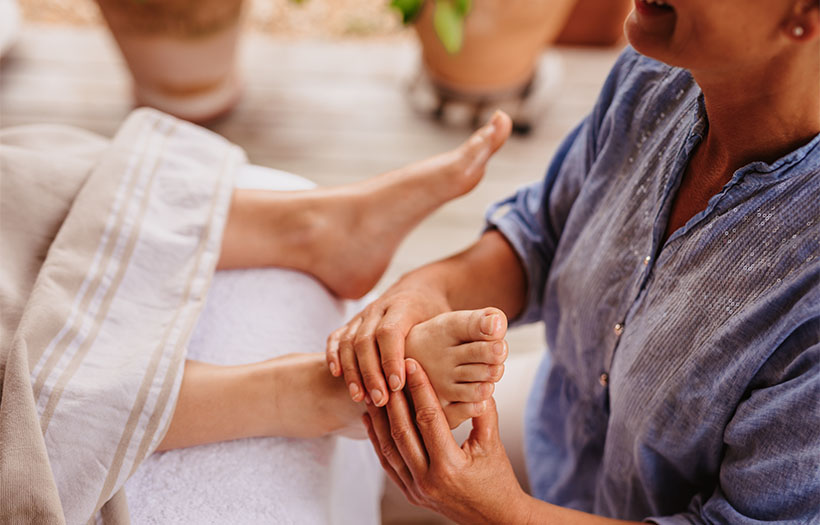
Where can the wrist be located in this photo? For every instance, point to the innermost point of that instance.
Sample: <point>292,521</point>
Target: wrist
<point>524,509</point>
<point>431,281</point>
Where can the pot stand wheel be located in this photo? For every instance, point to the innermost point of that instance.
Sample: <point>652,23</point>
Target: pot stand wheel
<point>525,104</point>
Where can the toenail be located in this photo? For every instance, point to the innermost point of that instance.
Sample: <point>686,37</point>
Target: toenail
<point>488,324</point>
<point>498,348</point>
<point>395,382</point>
<point>354,390</point>
<point>376,396</point>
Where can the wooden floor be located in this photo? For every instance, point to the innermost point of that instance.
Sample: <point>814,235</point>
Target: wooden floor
<point>332,111</point>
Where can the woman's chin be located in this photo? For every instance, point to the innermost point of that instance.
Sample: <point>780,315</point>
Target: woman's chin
<point>652,38</point>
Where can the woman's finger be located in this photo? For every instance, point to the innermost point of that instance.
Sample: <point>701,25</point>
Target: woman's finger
<point>386,447</point>
<point>332,352</point>
<point>390,335</point>
<point>405,436</point>
<point>349,364</point>
<point>388,468</point>
<point>367,356</point>
<point>430,418</point>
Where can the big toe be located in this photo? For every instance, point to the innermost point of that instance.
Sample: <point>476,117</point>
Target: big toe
<point>487,324</point>
<point>486,141</point>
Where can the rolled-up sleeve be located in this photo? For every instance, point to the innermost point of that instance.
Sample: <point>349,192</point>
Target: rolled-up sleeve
<point>771,467</point>
<point>532,226</point>
<point>533,218</point>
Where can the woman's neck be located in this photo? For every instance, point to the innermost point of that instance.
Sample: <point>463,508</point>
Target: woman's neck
<point>761,115</point>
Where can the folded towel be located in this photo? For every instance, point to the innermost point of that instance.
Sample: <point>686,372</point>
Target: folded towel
<point>253,315</point>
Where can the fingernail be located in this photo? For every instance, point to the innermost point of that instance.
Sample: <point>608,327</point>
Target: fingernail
<point>395,382</point>
<point>354,390</point>
<point>488,324</point>
<point>366,400</point>
<point>377,396</point>
<point>411,367</point>
<point>498,348</point>
<point>480,406</point>
<point>333,368</point>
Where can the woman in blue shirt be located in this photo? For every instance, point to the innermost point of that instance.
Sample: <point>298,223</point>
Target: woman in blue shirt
<point>673,253</point>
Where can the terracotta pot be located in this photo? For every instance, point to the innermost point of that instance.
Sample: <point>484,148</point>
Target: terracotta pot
<point>503,40</point>
<point>181,53</point>
<point>596,23</point>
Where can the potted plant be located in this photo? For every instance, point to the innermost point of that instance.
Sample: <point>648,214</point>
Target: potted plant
<point>181,53</point>
<point>486,47</point>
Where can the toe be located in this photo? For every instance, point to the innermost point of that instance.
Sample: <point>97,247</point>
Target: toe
<point>478,373</point>
<point>488,139</point>
<point>457,413</point>
<point>488,324</point>
<point>468,392</point>
<point>480,352</point>
<point>476,151</point>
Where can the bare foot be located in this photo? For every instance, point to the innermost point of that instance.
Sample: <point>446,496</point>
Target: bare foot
<point>463,354</point>
<point>309,402</point>
<point>346,236</point>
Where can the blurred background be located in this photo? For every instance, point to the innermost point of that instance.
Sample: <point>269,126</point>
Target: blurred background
<point>333,90</point>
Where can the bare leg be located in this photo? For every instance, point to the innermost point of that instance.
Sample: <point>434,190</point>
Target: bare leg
<point>289,396</point>
<point>346,236</point>
<point>295,396</point>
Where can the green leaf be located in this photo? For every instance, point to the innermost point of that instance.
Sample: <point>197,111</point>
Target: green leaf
<point>463,7</point>
<point>449,26</point>
<point>409,9</point>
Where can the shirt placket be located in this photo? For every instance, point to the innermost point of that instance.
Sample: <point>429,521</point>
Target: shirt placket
<point>648,261</point>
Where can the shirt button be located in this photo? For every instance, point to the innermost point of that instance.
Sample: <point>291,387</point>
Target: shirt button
<point>646,260</point>
<point>604,379</point>
<point>618,329</point>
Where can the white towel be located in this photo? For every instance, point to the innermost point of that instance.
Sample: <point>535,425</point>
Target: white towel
<point>253,315</point>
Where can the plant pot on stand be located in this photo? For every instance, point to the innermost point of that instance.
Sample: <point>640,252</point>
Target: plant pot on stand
<point>181,53</point>
<point>497,64</point>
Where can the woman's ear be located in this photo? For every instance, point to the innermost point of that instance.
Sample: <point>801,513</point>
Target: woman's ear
<point>804,22</point>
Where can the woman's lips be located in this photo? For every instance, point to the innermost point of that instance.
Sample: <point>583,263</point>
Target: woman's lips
<point>652,9</point>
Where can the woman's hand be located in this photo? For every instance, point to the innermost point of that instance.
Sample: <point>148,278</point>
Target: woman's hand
<point>369,350</point>
<point>473,483</point>
<point>373,341</point>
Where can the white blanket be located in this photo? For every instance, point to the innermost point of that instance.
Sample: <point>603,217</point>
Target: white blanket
<point>252,315</point>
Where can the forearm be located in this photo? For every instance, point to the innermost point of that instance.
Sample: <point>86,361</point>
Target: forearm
<point>488,273</point>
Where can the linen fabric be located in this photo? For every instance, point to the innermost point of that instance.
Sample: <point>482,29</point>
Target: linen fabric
<point>682,381</point>
<point>108,250</point>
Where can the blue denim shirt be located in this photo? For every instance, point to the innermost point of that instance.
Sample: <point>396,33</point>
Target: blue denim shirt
<point>682,382</point>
